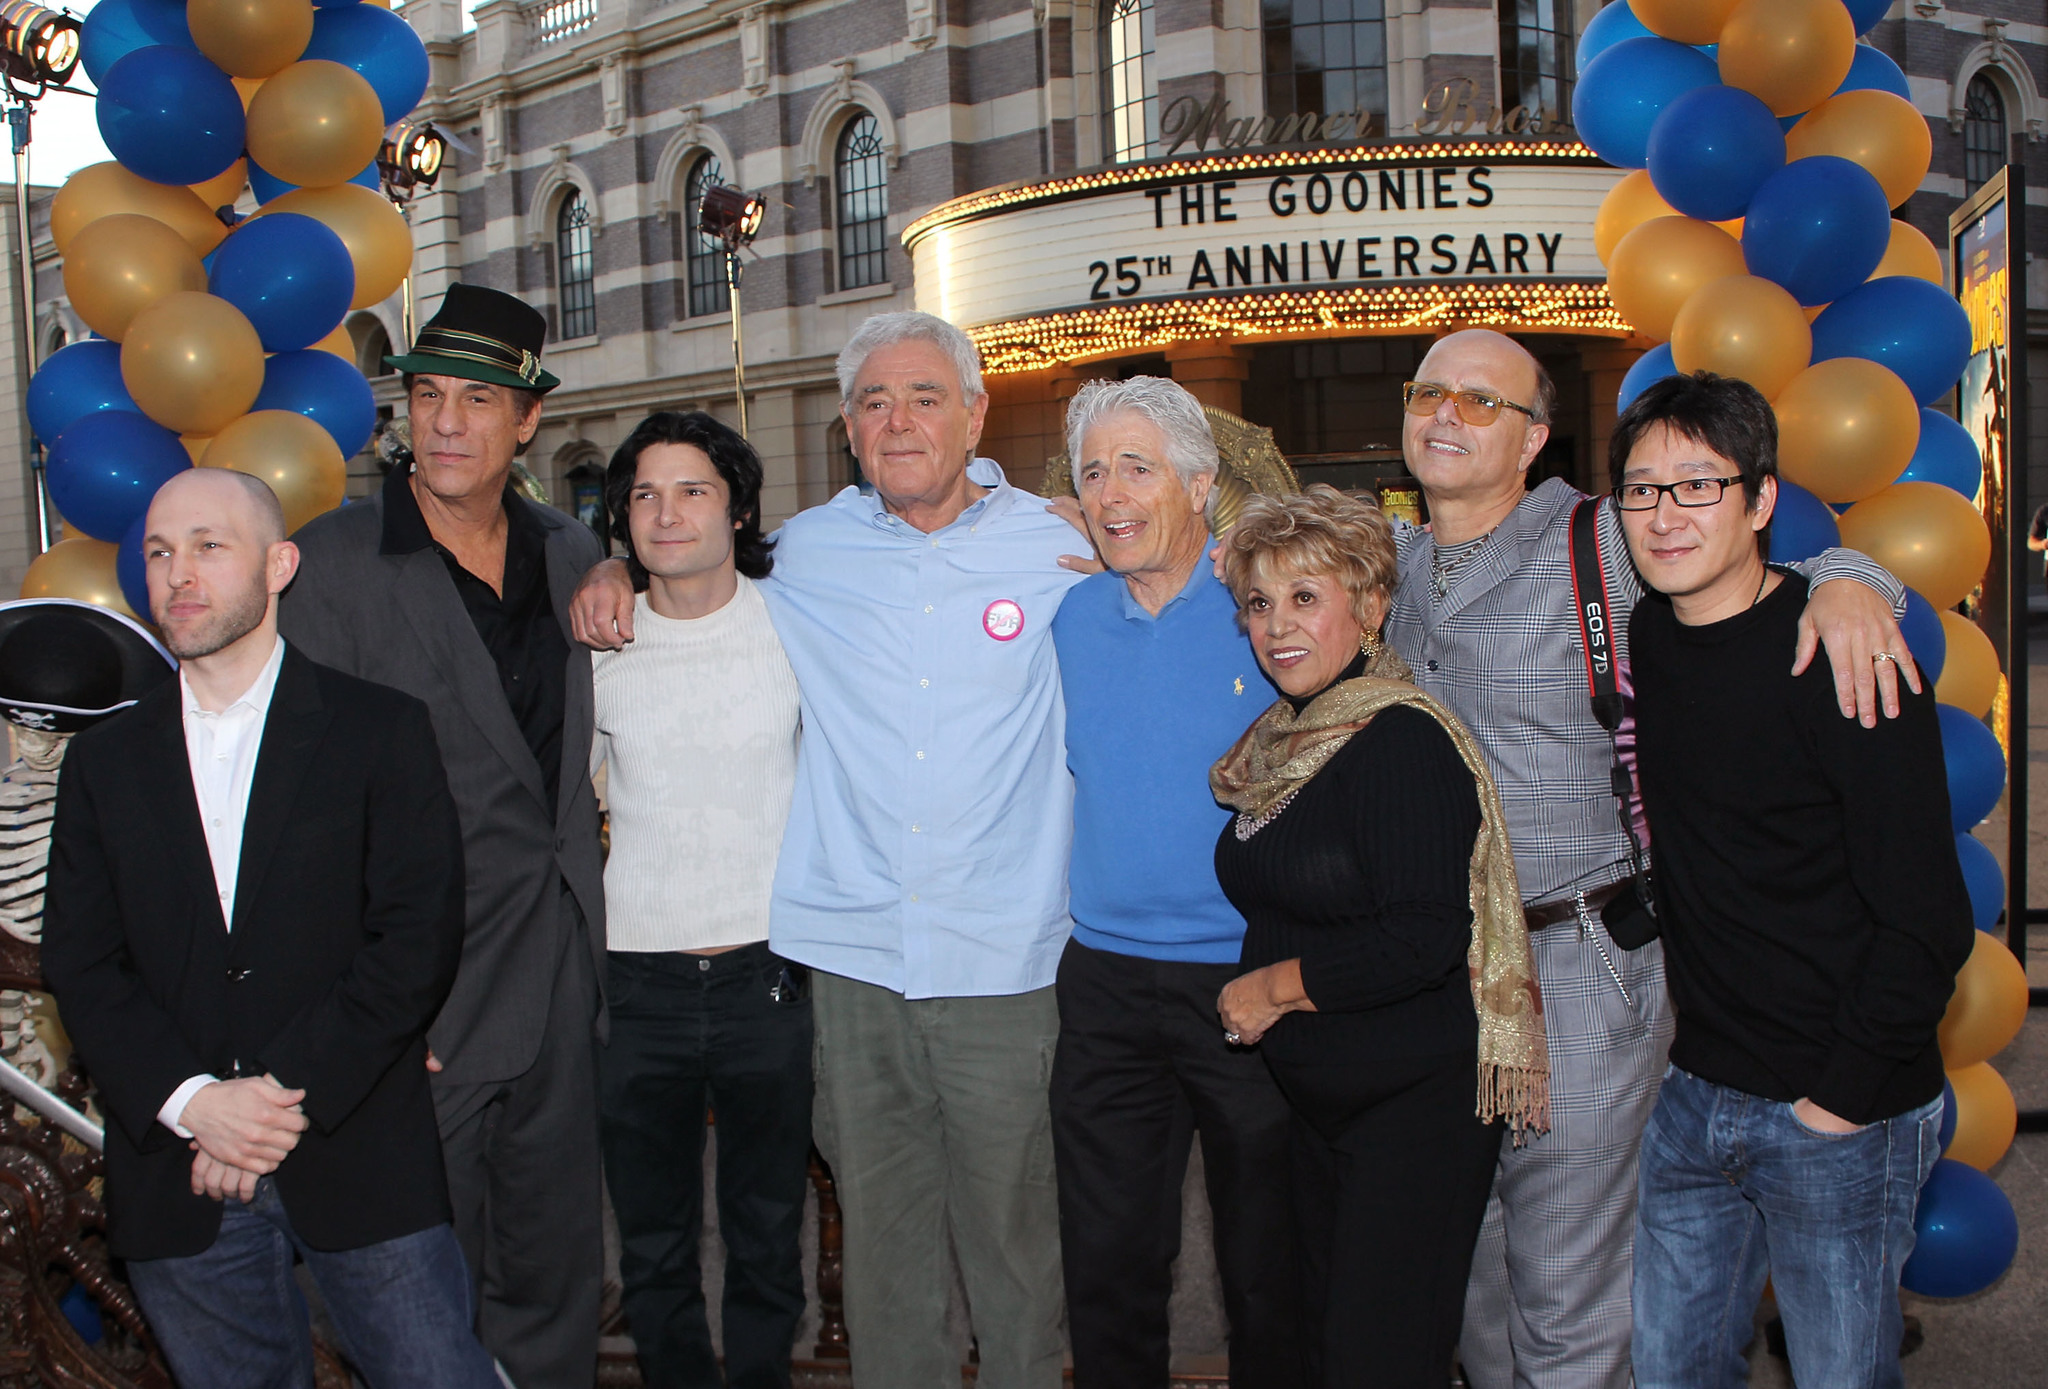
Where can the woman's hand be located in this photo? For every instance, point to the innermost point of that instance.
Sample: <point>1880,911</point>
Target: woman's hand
<point>1251,1003</point>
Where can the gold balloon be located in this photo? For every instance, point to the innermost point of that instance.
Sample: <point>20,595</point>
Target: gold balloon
<point>1630,203</point>
<point>1910,253</point>
<point>1879,130</point>
<point>102,190</point>
<point>1662,263</point>
<point>378,240</point>
<point>246,88</point>
<point>195,445</point>
<point>1789,54</point>
<point>1687,21</point>
<point>1928,535</point>
<point>1846,430</point>
<point>1986,1117</point>
<point>339,343</point>
<point>81,568</point>
<point>250,38</point>
<point>315,124</point>
<point>1969,674</point>
<point>192,362</point>
<point>1743,327</point>
<point>1989,1006</point>
<point>120,265</point>
<point>298,458</point>
<point>223,189</point>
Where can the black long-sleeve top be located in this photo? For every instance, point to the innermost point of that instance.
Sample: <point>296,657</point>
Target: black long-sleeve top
<point>1813,913</point>
<point>1366,878</point>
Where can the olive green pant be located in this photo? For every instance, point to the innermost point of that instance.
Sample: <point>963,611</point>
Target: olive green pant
<point>932,1113</point>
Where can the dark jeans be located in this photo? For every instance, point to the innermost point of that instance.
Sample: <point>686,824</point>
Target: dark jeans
<point>1141,1066</point>
<point>1735,1189</point>
<point>691,1032</point>
<point>232,1317</point>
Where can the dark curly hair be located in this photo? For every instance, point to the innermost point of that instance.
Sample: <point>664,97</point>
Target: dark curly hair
<point>736,462</point>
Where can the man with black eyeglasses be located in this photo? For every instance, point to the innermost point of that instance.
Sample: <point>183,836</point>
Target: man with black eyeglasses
<point>1813,918</point>
<point>1484,613</point>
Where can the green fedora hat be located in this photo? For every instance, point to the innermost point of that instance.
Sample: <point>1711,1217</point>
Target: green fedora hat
<point>481,334</point>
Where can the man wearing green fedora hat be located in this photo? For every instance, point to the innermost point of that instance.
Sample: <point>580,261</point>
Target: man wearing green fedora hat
<point>453,587</point>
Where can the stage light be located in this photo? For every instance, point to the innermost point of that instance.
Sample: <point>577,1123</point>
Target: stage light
<point>37,44</point>
<point>412,155</point>
<point>730,216</point>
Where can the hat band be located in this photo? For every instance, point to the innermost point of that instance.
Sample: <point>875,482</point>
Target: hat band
<point>475,347</point>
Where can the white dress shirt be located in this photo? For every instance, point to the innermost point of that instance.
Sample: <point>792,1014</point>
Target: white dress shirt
<point>221,749</point>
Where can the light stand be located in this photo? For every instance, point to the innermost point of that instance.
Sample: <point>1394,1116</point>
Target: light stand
<point>410,159</point>
<point>733,218</point>
<point>18,131</point>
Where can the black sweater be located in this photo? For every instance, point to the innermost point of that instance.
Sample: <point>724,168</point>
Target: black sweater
<point>1813,912</point>
<point>1365,877</point>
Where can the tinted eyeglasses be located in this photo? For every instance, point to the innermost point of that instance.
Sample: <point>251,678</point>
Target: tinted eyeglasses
<point>1474,407</point>
<point>1691,491</point>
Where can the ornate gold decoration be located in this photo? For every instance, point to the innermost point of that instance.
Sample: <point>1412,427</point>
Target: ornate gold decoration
<point>1252,462</point>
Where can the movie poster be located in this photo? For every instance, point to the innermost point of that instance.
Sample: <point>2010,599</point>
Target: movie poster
<point>1984,265</point>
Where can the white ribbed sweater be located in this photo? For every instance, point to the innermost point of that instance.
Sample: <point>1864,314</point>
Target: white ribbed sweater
<point>698,723</point>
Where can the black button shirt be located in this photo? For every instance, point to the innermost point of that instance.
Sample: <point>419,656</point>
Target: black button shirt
<point>519,629</point>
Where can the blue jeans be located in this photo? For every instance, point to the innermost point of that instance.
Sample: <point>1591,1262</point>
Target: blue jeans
<point>1735,1189</point>
<point>232,1317</point>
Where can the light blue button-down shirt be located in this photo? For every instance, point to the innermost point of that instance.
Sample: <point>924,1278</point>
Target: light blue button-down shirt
<point>927,843</point>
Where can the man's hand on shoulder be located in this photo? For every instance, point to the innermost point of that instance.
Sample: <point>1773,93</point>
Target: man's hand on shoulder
<point>601,612</point>
<point>220,1180</point>
<point>1068,509</point>
<point>252,1123</point>
<point>1865,647</point>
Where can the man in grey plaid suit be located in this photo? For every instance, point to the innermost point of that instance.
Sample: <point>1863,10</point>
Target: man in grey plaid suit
<point>1484,613</point>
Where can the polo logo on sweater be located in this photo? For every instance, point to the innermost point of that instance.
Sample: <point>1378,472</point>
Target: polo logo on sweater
<point>1003,620</point>
<point>1237,685</point>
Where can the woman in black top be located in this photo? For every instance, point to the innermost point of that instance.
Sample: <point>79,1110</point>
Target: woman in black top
<point>1367,838</point>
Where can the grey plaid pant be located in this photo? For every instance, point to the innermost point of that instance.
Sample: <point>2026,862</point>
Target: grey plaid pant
<point>1548,1304</point>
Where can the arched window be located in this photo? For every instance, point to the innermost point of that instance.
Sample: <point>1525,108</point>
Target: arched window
<point>1130,94</point>
<point>1986,147</point>
<point>703,256</point>
<point>575,271</point>
<point>1536,57</point>
<point>1325,56</point>
<point>373,345</point>
<point>861,178</point>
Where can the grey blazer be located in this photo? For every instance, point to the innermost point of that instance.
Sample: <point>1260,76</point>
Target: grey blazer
<point>398,620</point>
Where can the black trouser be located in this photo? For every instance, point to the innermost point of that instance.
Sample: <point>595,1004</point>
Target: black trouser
<point>1141,1065</point>
<point>691,1032</point>
<point>1391,1175</point>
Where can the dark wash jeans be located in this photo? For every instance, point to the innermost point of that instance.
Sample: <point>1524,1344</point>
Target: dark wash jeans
<point>232,1317</point>
<point>691,1032</point>
<point>1735,1189</point>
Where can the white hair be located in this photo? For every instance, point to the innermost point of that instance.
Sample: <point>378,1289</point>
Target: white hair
<point>1190,446</point>
<point>889,329</point>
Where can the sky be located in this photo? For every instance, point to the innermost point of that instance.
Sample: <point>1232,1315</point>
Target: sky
<point>63,135</point>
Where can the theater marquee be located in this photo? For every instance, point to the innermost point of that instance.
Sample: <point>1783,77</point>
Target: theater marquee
<point>1395,237</point>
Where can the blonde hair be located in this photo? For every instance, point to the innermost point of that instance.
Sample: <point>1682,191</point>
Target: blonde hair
<point>1318,531</point>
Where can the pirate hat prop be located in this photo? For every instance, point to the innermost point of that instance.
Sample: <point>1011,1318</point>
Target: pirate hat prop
<point>481,335</point>
<point>65,665</point>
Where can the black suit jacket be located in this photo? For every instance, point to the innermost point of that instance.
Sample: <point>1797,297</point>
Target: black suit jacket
<point>347,932</point>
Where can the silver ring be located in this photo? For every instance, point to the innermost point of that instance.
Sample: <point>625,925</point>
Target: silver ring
<point>1884,656</point>
<point>1233,1039</point>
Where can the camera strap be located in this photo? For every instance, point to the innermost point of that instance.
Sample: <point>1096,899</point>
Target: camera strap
<point>1595,612</point>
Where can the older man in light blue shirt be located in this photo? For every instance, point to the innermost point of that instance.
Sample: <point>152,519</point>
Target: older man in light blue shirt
<point>923,874</point>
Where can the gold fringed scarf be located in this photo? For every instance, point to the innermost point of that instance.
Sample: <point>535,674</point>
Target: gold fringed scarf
<point>1278,755</point>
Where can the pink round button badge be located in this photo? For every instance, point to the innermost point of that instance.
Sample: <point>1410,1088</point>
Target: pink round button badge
<point>1003,619</point>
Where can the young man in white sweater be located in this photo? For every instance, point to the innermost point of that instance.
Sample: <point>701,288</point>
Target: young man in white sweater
<point>698,724</point>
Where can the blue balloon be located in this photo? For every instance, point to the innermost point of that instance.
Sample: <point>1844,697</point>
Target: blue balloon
<point>105,468</point>
<point>1984,878</point>
<point>1947,1132</point>
<point>1621,93</point>
<point>1654,365</point>
<point>1865,14</point>
<point>326,390</point>
<point>164,21</point>
<point>1614,24</point>
<point>1711,148</point>
<point>380,46</point>
<point>1976,767</point>
<point>1802,526</point>
<point>110,33</point>
<point>1873,70</point>
<point>290,275</point>
<point>1946,454</point>
<point>1965,1231</point>
<point>1925,637</point>
<point>73,382</point>
<point>1817,227</point>
<point>131,568</point>
<point>170,115</point>
<point>1903,322</point>
<point>266,185</point>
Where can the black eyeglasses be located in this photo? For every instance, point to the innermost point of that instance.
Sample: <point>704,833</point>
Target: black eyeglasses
<point>1692,491</point>
<point>1474,407</point>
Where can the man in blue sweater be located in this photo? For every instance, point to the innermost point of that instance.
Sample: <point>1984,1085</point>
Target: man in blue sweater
<point>1159,683</point>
